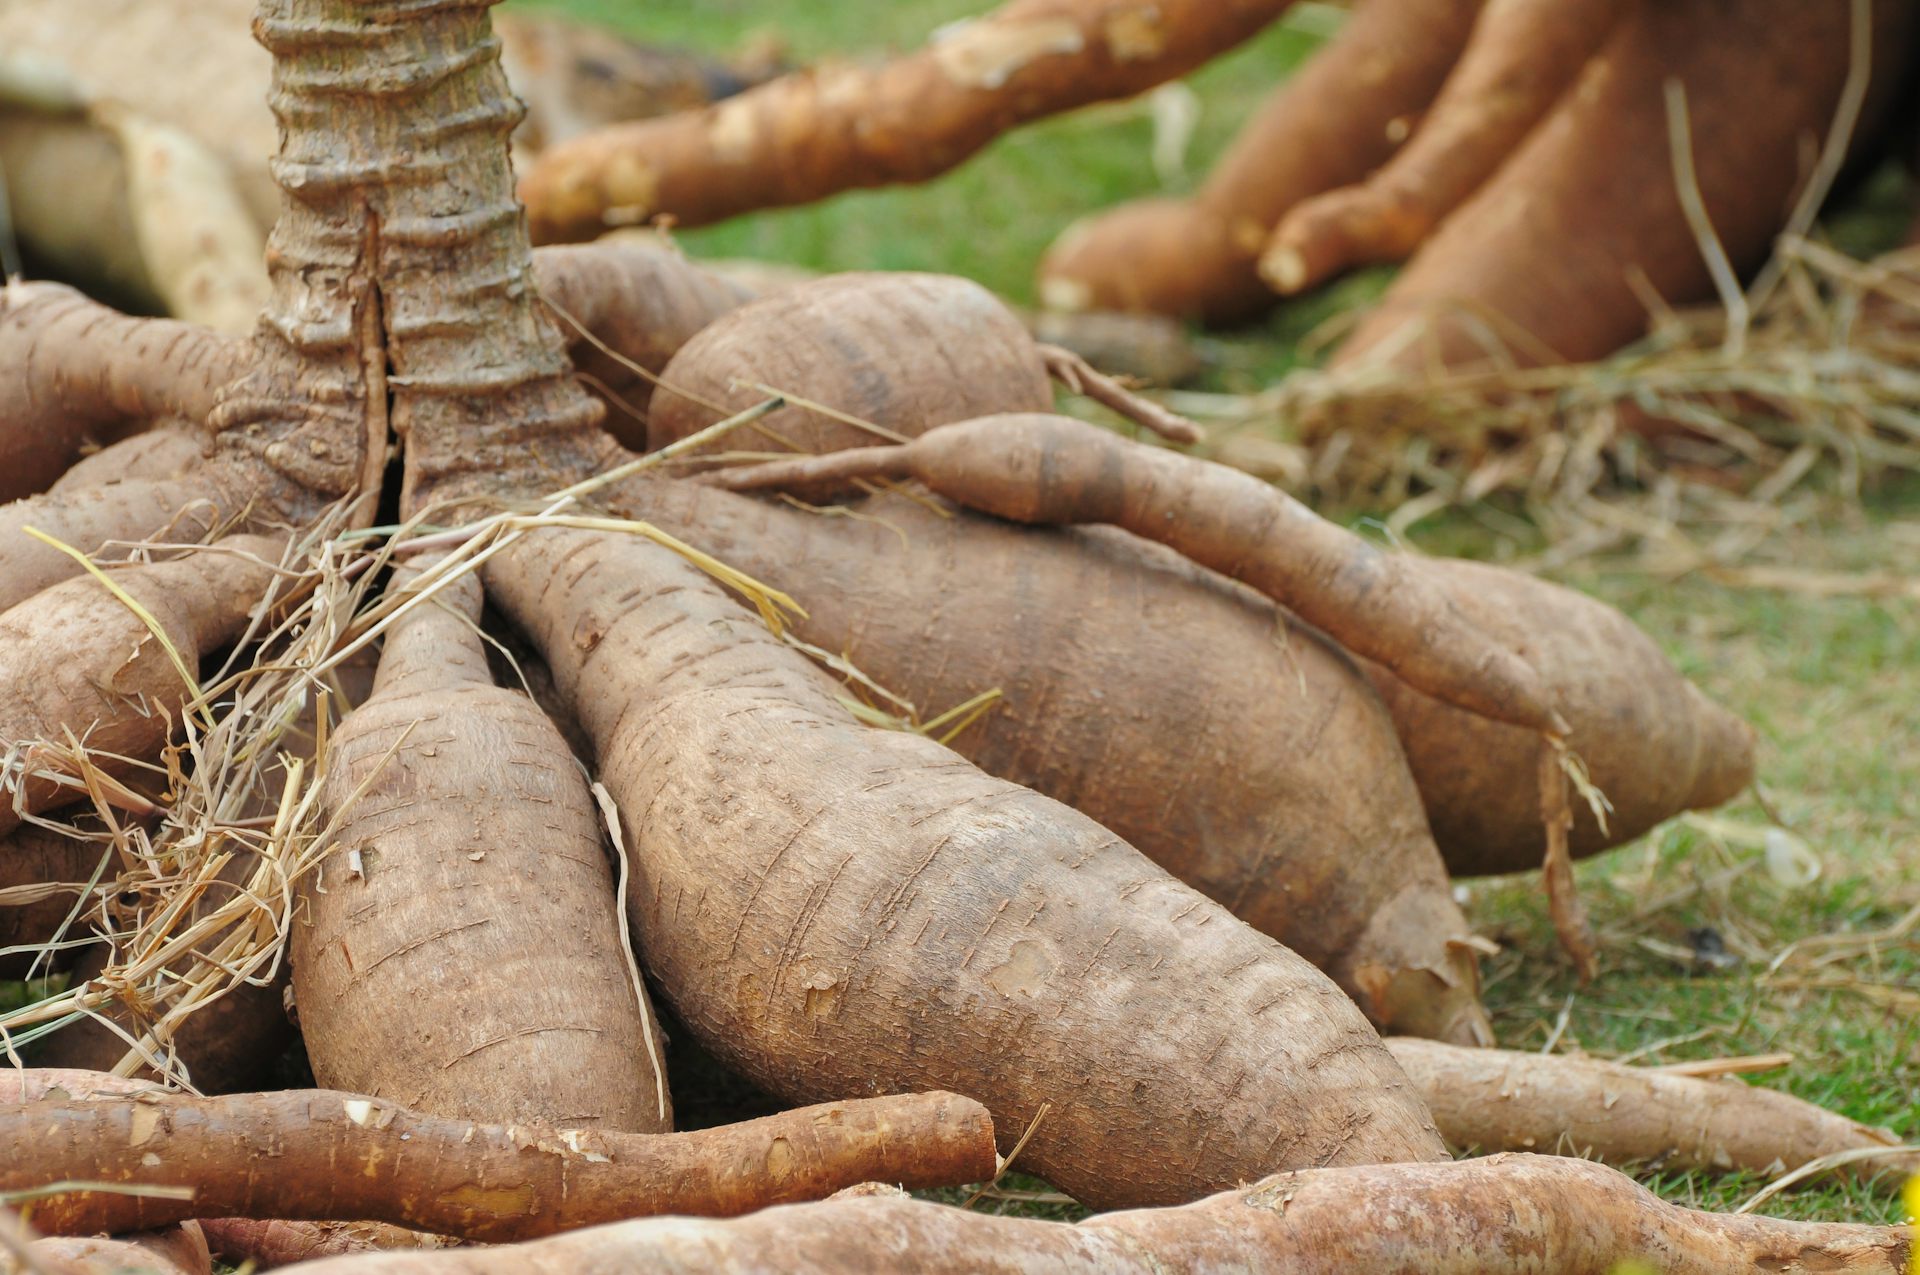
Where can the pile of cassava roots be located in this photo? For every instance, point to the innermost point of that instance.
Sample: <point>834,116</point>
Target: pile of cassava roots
<point>496,652</point>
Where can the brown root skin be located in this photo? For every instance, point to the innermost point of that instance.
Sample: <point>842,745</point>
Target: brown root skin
<point>816,133</point>
<point>832,908</point>
<point>31,855</point>
<point>1598,173</point>
<point>121,693</point>
<point>1504,1215</point>
<point>343,1157</point>
<point>468,869</point>
<point>1253,750</point>
<point>1498,1100</point>
<point>179,510</point>
<point>176,1250</point>
<point>226,1045</point>
<point>166,452</point>
<point>82,374</point>
<point>267,1243</point>
<point>1336,119</point>
<point>1056,470</point>
<point>1650,740</point>
<point>642,301</point>
<point>1522,56</point>
<point>902,351</point>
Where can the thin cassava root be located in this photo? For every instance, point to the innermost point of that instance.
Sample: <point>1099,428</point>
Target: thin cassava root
<point>816,133</point>
<point>1504,1215</point>
<point>1500,1100</point>
<point>345,1157</point>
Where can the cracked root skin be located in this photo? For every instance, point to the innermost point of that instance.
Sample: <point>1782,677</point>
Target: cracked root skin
<point>1265,774</point>
<point>816,133</point>
<point>834,910</point>
<point>1521,58</point>
<point>458,949</point>
<point>1554,244</point>
<point>1331,123</point>
<point>1498,1100</point>
<point>1506,1215</point>
<point>340,1156</point>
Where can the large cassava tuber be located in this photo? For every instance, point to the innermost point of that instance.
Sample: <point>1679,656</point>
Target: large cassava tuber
<point>1330,124</point>
<point>858,344</point>
<point>834,910</point>
<point>872,356</point>
<point>1640,728</point>
<point>458,949</point>
<point>346,1156</point>
<point>1555,256</point>
<point>1652,743</point>
<point>1265,775</point>
<point>1504,1215</point>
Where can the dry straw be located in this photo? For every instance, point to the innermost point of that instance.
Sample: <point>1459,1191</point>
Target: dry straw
<point>1687,449</point>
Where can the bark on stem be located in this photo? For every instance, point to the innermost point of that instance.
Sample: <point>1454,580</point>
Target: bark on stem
<point>402,278</point>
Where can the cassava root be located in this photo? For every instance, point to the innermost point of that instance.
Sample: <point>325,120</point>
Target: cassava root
<point>1504,1215</point>
<point>344,1157</point>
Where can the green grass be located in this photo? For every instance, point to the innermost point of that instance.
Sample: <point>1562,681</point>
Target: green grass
<point>1833,686</point>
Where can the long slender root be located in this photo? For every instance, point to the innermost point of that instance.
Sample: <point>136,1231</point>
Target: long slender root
<point>1504,1215</point>
<point>806,136</point>
<point>348,1158</point>
<point>1500,1100</point>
